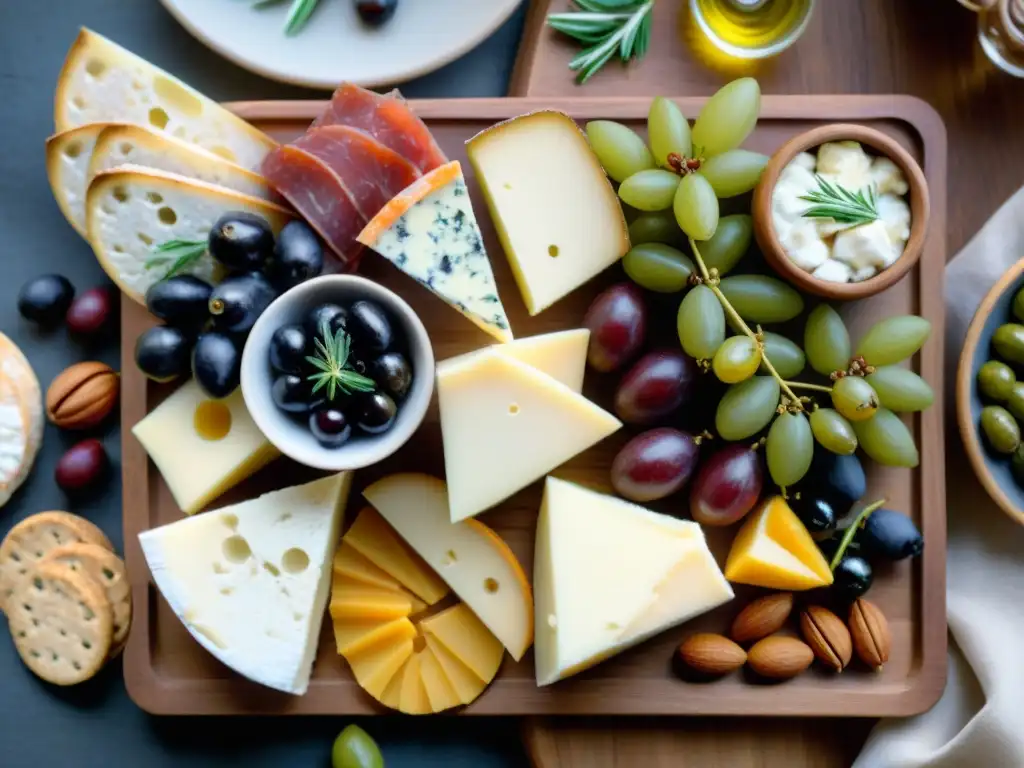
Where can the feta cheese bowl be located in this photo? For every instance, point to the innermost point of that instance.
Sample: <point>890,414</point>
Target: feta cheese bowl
<point>879,195</point>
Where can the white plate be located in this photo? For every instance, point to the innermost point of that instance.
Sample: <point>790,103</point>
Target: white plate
<point>335,46</point>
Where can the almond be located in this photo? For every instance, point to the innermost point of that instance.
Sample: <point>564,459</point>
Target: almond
<point>869,629</point>
<point>762,617</point>
<point>827,636</point>
<point>711,654</point>
<point>779,657</point>
<point>82,395</point>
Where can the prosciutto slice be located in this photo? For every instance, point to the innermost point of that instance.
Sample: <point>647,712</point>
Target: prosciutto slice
<point>387,119</point>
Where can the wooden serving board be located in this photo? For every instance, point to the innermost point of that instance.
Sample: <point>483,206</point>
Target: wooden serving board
<point>167,672</point>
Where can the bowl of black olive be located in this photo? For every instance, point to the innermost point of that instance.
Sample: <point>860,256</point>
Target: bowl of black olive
<point>338,372</point>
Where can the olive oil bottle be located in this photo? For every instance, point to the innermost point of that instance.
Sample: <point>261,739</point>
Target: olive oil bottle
<point>751,29</point>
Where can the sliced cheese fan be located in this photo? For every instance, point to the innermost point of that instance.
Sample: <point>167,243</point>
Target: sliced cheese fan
<point>21,418</point>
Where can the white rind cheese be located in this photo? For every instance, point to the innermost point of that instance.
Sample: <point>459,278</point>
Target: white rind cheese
<point>250,581</point>
<point>21,418</point>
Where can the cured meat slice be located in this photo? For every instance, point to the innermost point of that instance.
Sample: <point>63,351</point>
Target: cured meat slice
<point>315,191</point>
<point>388,119</point>
<point>372,173</point>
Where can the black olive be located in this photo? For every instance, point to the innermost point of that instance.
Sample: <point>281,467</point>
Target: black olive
<point>297,257</point>
<point>180,301</point>
<point>853,577</point>
<point>330,427</point>
<point>830,546</point>
<point>815,513</point>
<point>376,413</point>
<point>369,327</point>
<point>216,363</point>
<point>392,373</point>
<point>839,479</point>
<point>45,299</point>
<point>890,535</point>
<point>241,241</point>
<point>163,353</point>
<point>334,315</point>
<point>238,301</point>
<point>289,347</point>
<point>293,394</point>
<point>376,13</point>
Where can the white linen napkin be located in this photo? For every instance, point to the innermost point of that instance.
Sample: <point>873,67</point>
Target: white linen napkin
<point>979,721</point>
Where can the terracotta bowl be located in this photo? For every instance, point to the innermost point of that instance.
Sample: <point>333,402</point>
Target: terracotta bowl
<point>992,470</point>
<point>917,197</point>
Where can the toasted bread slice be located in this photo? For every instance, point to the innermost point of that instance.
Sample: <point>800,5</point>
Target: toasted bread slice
<point>67,166</point>
<point>102,82</point>
<point>131,210</point>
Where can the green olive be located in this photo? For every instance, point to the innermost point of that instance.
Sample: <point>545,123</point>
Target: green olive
<point>1018,305</point>
<point>1008,341</point>
<point>355,748</point>
<point>1000,428</point>
<point>1015,401</point>
<point>996,380</point>
<point>1017,464</point>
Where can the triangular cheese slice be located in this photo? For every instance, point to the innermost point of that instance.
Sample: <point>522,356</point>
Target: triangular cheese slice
<point>413,699</point>
<point>506,425</point>
<point>376,665</point>
<point>467,686</point>
<point>429,231</point>
<point>250,581</point>
<point>440,692</point>
<point>461,632</point>
<point>352,565</point>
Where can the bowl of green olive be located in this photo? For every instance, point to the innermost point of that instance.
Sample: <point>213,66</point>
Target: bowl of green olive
<point>990,392</point>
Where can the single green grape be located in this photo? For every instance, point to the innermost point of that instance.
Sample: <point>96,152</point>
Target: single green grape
<point>1000,429</point>
<point>1015,401</point>
<point>355,748</point>
<point>659,227</point>
<point>887,440</point>
<point>762,299</point>
<point>736,360</point>
<point>826,340</point>
<point>900,390</point>
<point>619,149</point>
<point>728,117</point>
<point>746,408</point>
<point>996,380</point>
<point>735,172</point>
<point>658,267</point>
<point>785,356</point>
<point>1018,305</point>
<point>854,398</point>
<point>833,432</point>
<point>668,131</point>
<point>789,449</point>
<point>650,190</point>
<point>1008,342</point>
<point>700,323</point>
<point>696,207</point>
<point>894,339</point>
<point>729,244</point>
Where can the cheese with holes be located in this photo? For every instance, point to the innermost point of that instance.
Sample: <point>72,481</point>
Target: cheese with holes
<point>773,549</point>
<point>21,418</point>
<point>474,561</point>
<point>506,425</point>
<point>101,82</point>
<point>201,446</point>
<point>131,210</point>
<point>609,575</point>
<point>250,581</point>
<point>562,355</point>
<point>67,167</point>
<point>557,216</point>
<point>429,231</point>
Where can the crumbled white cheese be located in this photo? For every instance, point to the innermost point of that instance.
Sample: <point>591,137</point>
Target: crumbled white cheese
<point>888,177</point>
<point>805,160</point>
<point>804,245</point>
<point>787,208</point>
<point>845,162</point>
<point>895,214</point>
<point>864,273</point>
<point>865,246</point>
<point>834,272</point>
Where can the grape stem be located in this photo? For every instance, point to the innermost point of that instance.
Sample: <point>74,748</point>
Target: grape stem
<point>852,531</point>
<point>805,385</point>
<point>739,321</point>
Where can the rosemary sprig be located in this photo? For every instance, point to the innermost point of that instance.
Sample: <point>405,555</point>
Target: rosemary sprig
<point>181,253</point>
<point>834,201</point>
<point>606,27</point>
<point>298,13</point>
<point>333,369</point>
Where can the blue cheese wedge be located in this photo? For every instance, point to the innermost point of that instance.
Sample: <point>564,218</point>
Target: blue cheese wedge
<point>429,231</point>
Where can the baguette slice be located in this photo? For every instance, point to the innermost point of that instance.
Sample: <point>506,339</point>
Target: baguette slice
<point>103,82</point>
<point>67,167</point>
<point>131,210</point>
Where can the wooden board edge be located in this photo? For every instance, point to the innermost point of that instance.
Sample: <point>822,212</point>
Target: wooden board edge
<point>522,69</point>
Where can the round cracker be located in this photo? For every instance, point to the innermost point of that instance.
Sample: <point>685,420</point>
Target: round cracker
<point>29,541</point>
<point>107,570</point>
<point>62,624</point>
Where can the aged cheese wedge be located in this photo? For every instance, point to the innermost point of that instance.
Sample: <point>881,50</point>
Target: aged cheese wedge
<point>609,574</point>
<point>250,581</point>
<point>67,167</point>
<point>102,82</point>
<point>555,211</point>
<point>131,210</point>
<point>21,418</point>
<point>201,446</point>
<point>773,549</point>
<point>494,406</point>
<point>429,231</point>
<point>475,562</point>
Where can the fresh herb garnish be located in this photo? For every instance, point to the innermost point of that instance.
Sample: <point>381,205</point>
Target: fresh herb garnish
<point>607,27</point>
<point>181,253</point>
<point>834,201</point>
<point>331,360</point>
<point>298,14</point>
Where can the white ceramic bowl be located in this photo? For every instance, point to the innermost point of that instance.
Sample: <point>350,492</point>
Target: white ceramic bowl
<point>291,436</point>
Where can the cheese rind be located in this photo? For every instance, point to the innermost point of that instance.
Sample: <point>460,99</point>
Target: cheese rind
<point>21,418</point>
<point>250,581</point>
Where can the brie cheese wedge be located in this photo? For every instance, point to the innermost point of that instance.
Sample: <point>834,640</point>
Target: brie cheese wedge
<point>21,418</point>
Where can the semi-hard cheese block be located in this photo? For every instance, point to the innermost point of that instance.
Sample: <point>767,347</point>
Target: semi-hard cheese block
<point>475,562</point>
<point>505,425</point>
<point>429,231</point>
<point>21,418</point>
<point>101,82</point>
<point>555,211</point>
<point>773,549</point>
<point>609,574</point>
<point>250,581</point>
<point>201,446</point>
